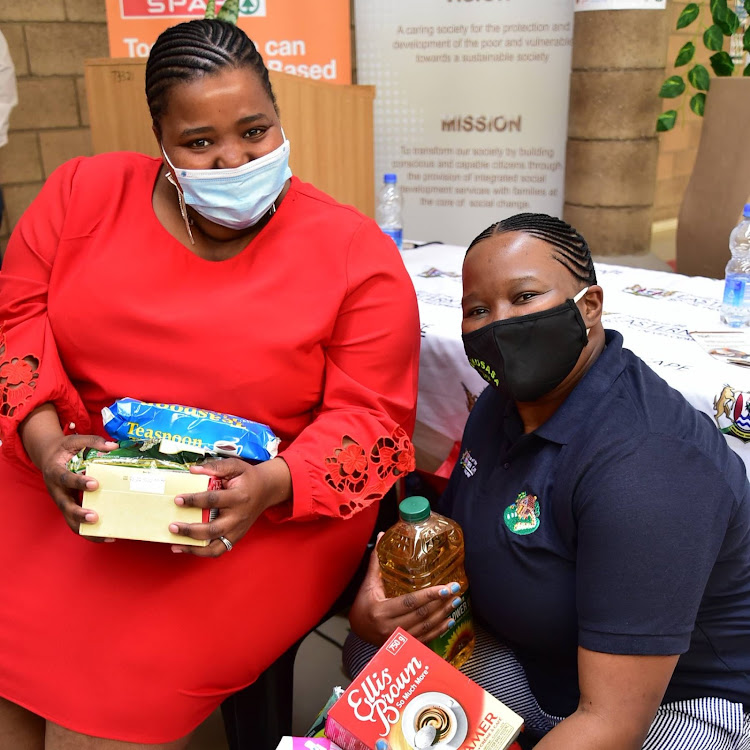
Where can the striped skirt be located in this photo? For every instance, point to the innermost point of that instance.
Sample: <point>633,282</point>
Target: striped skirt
<point>697,724</point>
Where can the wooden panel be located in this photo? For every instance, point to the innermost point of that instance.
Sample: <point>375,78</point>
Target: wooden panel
<point>329,126</point>
<point>117,106</point>
<point>330,130</point>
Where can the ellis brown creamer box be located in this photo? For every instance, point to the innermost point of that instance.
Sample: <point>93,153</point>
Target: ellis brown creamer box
<point>412,699</point>
<point>138,503</point>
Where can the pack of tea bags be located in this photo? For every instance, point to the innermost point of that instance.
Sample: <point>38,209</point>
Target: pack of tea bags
<point>212,432</point>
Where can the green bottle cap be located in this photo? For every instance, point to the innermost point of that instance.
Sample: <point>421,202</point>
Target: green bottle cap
<point>414,509</point>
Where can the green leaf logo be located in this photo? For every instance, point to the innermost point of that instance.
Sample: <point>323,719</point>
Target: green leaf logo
<point>249,7</point>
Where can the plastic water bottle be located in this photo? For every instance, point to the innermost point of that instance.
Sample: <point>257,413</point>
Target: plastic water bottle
<point>735,309</point>
<point>388,212</point>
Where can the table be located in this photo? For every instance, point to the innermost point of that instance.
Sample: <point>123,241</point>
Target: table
<point>653,310</point>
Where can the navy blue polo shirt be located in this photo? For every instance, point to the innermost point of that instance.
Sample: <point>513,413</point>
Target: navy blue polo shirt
<point>621,525</point>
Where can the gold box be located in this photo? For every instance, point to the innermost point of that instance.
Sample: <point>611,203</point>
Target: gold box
<point>138,503</point>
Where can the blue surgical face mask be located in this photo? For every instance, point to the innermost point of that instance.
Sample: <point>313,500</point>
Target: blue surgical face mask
<point>235,198</point>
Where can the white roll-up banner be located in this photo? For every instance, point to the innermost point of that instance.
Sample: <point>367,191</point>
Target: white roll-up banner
<point>471,107</point>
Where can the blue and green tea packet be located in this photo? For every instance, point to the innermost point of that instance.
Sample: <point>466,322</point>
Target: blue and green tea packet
<point>210,431</point>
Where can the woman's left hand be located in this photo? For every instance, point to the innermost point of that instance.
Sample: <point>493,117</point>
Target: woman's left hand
<point>247,491</point>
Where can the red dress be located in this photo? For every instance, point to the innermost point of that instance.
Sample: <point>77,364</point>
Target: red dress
<point>312,329</point>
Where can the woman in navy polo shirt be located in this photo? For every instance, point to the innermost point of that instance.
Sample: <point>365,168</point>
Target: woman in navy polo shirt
<point>607,523</point>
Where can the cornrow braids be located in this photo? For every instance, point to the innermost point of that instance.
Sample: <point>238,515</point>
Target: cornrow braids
<point>202,47</point>
<point>570,248</point>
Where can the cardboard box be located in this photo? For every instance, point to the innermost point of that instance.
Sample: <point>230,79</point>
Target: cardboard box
<point>136,503</point>
<point>412,699</point>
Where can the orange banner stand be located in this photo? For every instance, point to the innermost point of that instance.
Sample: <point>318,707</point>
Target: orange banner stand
<point>306,39</point>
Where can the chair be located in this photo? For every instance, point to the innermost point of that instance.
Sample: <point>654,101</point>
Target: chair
<point>720,182</point>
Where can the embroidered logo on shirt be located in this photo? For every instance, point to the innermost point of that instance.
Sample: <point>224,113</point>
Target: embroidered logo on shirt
<point>468,464</point>
<point>733,413</point>
<point>522,517</point>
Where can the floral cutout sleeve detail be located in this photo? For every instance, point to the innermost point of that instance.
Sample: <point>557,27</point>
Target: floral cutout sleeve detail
<point>362,477</point>
<point>358,443</point>
<point>31,372</point>
<point>17,379</point>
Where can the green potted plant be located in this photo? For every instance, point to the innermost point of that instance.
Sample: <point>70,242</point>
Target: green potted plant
<point>722,23</point>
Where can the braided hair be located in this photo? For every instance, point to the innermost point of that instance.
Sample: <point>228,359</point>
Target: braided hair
<point>202,47</point>
<point>570,248</point>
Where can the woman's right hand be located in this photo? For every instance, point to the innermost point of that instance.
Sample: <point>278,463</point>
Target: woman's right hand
<point>64,486</point>
<point>424,614</point>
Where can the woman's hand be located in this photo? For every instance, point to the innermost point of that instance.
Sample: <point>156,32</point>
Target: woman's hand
<point>247,491</point>
<point>64,486</point>
<point>50,450</point>
<point>424,614</point>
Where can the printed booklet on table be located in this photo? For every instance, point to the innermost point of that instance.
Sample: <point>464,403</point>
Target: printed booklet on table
<point>727,346</point>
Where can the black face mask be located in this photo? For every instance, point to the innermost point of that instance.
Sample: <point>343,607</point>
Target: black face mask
<point>528,356</point>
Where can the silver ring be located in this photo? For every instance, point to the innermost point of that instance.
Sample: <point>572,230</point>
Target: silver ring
<point>226,543</point>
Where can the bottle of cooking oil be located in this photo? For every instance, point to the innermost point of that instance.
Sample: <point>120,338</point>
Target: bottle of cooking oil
<point>425,549</point>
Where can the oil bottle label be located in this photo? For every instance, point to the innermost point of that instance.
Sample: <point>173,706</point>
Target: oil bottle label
<point>454,640</point>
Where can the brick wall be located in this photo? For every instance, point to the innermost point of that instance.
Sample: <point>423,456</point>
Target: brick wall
<point>678,147</point>
<point>48,41</point>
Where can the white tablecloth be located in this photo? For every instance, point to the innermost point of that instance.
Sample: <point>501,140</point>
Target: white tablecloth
<point>653,311</point>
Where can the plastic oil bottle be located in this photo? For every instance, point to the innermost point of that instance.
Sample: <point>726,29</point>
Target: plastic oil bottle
<point>425,549</point>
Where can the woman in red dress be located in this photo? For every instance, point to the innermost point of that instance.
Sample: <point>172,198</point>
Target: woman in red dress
<point>211,279</point>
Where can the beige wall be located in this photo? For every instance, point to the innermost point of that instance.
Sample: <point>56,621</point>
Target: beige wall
<point>48,41</point>
<point>678,147</point>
